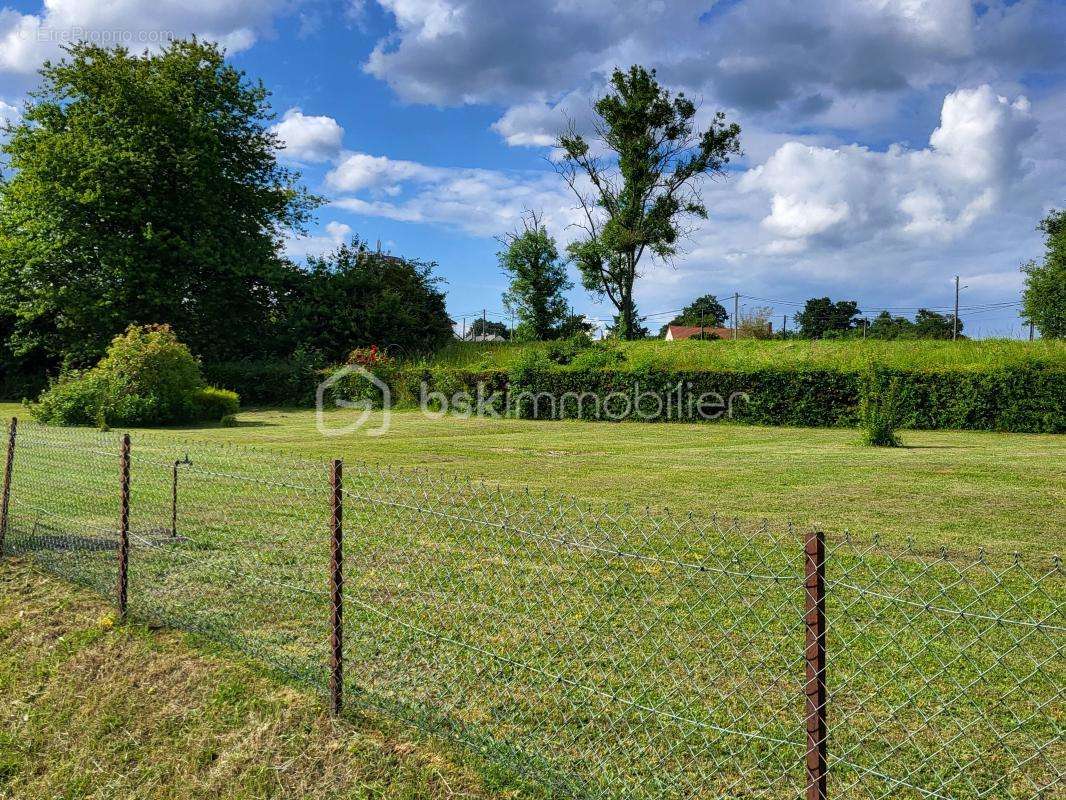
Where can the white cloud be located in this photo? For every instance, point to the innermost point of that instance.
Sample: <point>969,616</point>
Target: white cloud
<point>358,171</point>
<point>307,138</point>
<point>853,193</point>
<point>480,202</point>
<point>26,40</point>
<point>332,236</point>
<point>842,62</point>
<point>9,113</point>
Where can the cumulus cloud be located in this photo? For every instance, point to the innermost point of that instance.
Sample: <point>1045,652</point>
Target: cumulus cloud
<point>26,40</point>
<point>845,63</point>
<point>481,202</point>
<point>333,234</point>
<point>308,138</point>
<point>853,193</point>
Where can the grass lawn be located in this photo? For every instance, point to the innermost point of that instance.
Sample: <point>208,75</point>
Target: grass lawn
<point>94,710</point>
<point>640,655</point>
<point>951,488</point>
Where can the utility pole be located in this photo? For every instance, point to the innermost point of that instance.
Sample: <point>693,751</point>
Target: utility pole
<point>1030,330</point>
<point>955,322</point>
<point>736,313</point>
<point>784,324</point>
<point>864,321</point>
<point>512,326</point>
<point>464,329</point>
<point>484,323</point>
<point>703,335</point>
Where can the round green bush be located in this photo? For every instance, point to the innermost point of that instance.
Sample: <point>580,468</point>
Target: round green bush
<point>146,378</point>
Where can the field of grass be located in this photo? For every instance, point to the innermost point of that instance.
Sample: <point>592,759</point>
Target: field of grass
<point>97,711</point>
<point>953,488</point>
<point>573,638</point>
<point>752,354</point>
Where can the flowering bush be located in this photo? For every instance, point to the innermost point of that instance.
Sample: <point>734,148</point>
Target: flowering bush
<point>370,357</point>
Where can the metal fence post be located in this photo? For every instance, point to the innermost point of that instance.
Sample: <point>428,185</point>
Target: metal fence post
<point>124,526</point>
<point>336,588</point>
<point>817,698</point>
<point>12,432</point>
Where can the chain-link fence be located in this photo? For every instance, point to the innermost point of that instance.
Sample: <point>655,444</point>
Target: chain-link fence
<point>585,651</point>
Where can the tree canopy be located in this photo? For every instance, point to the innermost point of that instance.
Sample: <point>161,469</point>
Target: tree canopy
<point>1045,284</point>
<point>636,198</point>
<point>821,316</point>
<point>926,325</point>
<point>538,279</point>
<point>143,189</point>
<point>355,297</point>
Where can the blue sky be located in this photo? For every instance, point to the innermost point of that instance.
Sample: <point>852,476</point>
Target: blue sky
<point>890,144</point>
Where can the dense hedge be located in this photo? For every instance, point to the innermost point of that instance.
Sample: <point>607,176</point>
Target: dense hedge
<point>266,383</point>
<point>1029,399</point>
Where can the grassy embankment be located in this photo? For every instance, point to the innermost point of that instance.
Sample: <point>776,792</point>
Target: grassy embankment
<point>751,354</point>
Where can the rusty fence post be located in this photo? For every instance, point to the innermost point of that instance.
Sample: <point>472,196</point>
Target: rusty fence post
<point>814,655</point>
<point>9,463</point>
<point>124,526</point>
<point>336,588</point>
<point>174,502</point>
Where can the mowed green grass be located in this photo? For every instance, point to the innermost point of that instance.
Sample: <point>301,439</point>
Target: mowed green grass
<point>460,623</point>
<point>800,353</point>
<point>959,489</point>
<point>96,711</point>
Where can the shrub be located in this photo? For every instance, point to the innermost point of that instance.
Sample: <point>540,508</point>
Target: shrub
<point>879,410</point>
<point>147,377</point>
<point>76,398</point>
<point>210,403</point>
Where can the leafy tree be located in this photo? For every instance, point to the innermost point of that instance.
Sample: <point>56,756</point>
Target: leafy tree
<point>705,310</point>
<point>885,326</point>
<point>488,327</point>
<point>1045,284</point>
<point>642,192</point>
<point>931,325</point>
<point>538,280</point>
<point>926,325</point>
<point>355,297</point>
<point>821,316</point>
<point>143,189</point>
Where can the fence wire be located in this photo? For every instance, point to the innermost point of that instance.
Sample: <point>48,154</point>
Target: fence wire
<point>589,651</point>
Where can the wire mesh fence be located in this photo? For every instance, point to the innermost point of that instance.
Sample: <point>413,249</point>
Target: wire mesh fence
<point>589,651</point>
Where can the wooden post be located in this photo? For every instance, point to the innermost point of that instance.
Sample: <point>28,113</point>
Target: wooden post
<point>124,526</point>
<point>817,698</point>
<point>9,463</point>
<point>336,589</point>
